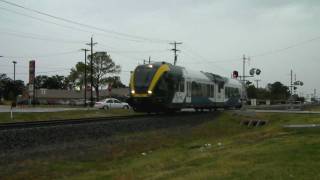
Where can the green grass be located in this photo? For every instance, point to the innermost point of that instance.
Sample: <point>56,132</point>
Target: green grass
<point>236,152</point>
<point>313,108</point>
<point>72,114</point>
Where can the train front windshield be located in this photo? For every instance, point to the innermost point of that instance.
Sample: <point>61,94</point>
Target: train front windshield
<point>143,76</point>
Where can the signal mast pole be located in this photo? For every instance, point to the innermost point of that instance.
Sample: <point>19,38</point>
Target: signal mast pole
<point>85,76</point>
<point>175,50</point>
<point>244,68</point>
<point>91,44</point>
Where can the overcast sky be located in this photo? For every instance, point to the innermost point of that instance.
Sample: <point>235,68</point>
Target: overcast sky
<point>278,35</point>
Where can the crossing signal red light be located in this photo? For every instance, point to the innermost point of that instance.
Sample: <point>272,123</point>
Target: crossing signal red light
<point>235,74</point>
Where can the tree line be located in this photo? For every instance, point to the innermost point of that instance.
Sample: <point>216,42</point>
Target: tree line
<point>273,91</point>
<point>105,72</point>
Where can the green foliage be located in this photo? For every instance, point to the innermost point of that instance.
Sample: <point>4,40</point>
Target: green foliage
<point>9,89</point>
<point>279,91</point>
<point>53,82</point>
<point>76,76</point>
<point>235,152</point>
<point>103,67</point>
<point>274,91</point>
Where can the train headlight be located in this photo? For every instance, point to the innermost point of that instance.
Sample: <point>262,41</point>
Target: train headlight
<point>132,92</point>
<point>149,92</point>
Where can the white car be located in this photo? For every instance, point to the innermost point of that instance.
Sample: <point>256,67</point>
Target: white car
<point>111,103</point>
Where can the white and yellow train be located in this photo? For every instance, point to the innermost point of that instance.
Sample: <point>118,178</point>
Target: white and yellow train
<point>162,87</point>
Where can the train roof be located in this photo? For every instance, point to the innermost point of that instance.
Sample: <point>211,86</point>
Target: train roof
<point>200,75</point>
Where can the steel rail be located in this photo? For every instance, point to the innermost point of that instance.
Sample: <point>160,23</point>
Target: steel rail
<point>48,123</point>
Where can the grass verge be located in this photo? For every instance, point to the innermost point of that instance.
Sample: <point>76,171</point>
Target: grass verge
<point>218,149</point>
<point>72,114</point>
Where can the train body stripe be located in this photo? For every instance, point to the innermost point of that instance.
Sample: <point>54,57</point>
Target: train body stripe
<point>131,81</point>
<point>162,69</point>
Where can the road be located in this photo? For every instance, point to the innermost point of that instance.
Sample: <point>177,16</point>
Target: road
<point>38,109</point>
<point>285,111</point>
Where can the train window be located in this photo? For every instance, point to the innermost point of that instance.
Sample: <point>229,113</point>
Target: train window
<point>143,76</point>
<point>211,91</point>
<point>195,89</point>
<point>208,90</point>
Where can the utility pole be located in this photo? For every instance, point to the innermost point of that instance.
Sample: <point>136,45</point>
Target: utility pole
<point>85,76</point>
<point>14,71</point>
<point>257,81</point>
<point>149,59</point>
<point>91,44</point>
<point>175,50</point>
<point>291,84</point>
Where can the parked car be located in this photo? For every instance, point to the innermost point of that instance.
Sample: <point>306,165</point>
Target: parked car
<point>111,103</point>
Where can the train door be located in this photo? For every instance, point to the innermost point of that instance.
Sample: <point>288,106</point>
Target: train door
<point>219,94</point>
<point>180,92</point>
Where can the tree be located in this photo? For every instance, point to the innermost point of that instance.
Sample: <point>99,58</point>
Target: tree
<point>252,92</point>
<point>115,82</point>
<point>53,82</point>
<point>76,76</point>
<point>9,89</point>
<point>102,65</point>
<point>279,91</point>
<point>257,93</point>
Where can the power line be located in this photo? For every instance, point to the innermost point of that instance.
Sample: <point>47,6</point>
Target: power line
<point>286,48</point>
<point>43,55</point>
<point>84,25</point>
<point>46,72</point>
<point>70,27</point>
<point>30,36</point>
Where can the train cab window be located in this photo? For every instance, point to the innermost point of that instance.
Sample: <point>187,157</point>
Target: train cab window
<point>143,76</point>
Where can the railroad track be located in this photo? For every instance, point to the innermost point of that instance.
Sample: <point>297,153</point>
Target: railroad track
<point>34,124</point>
<point>21,136</point>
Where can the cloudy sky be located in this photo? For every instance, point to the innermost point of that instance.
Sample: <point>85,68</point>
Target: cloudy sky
<point>278,35</point>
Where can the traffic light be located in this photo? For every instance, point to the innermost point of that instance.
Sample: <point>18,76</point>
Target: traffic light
<point>258,71</point>
<point>235,74</point>
<point>251,72</point>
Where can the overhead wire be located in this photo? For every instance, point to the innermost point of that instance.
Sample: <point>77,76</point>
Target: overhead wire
<point>70,27</point>
<point>286,48</point>
<point>43,55</point>
<point>85,25</point>
<point>37,37</point>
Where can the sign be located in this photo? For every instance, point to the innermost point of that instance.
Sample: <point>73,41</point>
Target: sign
<point>32,68</point>
<point>30,89</point>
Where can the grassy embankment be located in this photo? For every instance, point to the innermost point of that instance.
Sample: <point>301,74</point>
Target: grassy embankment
<point>72,114</point>
<point>313,108</point>
<point>232,152</point>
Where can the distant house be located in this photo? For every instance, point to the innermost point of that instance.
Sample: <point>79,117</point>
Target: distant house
<point>59,96</point>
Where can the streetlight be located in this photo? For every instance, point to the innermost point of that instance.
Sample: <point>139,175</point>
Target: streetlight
<point>14,71</point>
